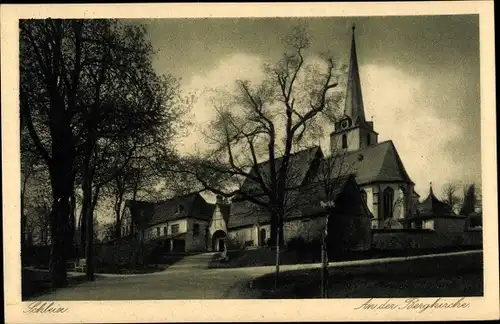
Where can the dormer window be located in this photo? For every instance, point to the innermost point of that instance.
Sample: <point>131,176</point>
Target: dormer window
<point>180,209</point>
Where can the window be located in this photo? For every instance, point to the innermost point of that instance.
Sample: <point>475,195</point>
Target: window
<point>165,230</point>
<point>180,209</point>
<point>368,139</point>
<point>196,229</point>
<point>388,202</point>
<point>344,141</point>
<point>174,229</point>
<point>158,232</point>
<point>363,195</point>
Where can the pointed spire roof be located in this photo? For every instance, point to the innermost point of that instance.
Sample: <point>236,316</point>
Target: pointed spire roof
<point>433,207</point>
<point>354,100</point>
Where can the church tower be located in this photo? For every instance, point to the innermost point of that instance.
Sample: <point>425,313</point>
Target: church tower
<point>352,131</point>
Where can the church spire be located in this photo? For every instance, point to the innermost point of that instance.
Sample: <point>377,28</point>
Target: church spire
<point>354,100</point>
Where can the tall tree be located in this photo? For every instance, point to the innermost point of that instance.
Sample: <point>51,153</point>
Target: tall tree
<point>470,200</point>
<point>88,93</point>
<point>269,121</point>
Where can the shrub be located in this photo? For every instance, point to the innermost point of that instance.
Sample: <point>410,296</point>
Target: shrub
<point>233,244</point>
<point>296,243</point>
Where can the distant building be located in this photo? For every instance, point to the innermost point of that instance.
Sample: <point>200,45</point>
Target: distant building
<point>436,215</point>
<point>181,222</point>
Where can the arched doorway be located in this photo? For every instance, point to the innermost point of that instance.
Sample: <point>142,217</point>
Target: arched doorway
<point>219,241</point>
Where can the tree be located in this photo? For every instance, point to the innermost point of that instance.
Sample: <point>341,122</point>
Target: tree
<point>449,195</point>
<point>332,173</point>
<point>268,121</point>
<point>470,201</point>
<point>88,93</point>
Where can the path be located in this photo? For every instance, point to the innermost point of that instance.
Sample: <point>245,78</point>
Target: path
<point>188,282</point>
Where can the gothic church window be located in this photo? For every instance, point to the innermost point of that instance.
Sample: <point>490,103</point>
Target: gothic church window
<point>344,141</point>
<point>388,202</point>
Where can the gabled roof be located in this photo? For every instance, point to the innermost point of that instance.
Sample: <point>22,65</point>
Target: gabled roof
<point>146,214</point>
<point>307,201</point>
<point>299,165</point>
<point>432,207</point>
<point>375,163</point>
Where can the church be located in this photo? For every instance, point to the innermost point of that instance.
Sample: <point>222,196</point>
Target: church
<point>374,191</point>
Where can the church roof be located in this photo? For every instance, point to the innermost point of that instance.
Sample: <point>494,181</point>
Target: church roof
<point>299,164</point>
<point>376,163</point>
<point>354,100</point>
<point>146,214</point>
<point>303,202</point>
<point>432,207</point>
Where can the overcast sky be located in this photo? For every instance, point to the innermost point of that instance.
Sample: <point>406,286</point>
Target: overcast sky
<point>419,75</point>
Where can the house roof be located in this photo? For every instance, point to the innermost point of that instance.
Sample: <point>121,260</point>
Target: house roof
<point>375,163</point>
<point>148,213</point>
<point>432,207</point>
<point>299,165</point>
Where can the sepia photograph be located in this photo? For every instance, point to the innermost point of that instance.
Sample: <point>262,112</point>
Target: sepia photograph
<point>324,157</point>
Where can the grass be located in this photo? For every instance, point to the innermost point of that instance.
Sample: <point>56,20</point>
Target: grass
<point>448,276</point>
<point>35,282</point>
<point>265,256</point>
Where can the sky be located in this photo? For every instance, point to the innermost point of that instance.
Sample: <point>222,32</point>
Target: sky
<point>419,77</point>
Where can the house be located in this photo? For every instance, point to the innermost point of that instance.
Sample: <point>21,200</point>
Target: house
<point>436,215</point>
<point>181,222</point>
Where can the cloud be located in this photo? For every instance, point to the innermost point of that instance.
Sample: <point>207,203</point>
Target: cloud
<point>222,77</point>
<point>400,104</point>
<point>404,112</point>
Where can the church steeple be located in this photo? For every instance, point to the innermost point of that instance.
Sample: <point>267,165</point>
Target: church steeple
<point>352,131</point>
<point>354,99</point>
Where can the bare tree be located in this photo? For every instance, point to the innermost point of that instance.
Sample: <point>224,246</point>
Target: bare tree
<point>268,122</point>
<point>449,195</point>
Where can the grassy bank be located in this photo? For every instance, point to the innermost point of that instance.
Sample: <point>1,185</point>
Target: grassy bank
<point>447,276</point>
<point>266,256</point>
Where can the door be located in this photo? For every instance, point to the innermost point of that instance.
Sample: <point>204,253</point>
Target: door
<point>179,245</point>
<point>262,237</point>
<point>221,245</point>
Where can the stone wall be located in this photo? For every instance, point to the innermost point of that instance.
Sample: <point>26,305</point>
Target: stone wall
<point>308,229</point>
<point>394,240</point>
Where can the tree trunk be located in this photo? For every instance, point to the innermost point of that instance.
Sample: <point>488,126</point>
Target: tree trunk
<point>83,228</point>
<point>89,222</point>
<point>72,223</point>
<point>59,230</point>
<point>276,277</point>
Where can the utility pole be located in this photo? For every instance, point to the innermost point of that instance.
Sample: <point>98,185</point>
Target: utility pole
<point>328,205</point>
